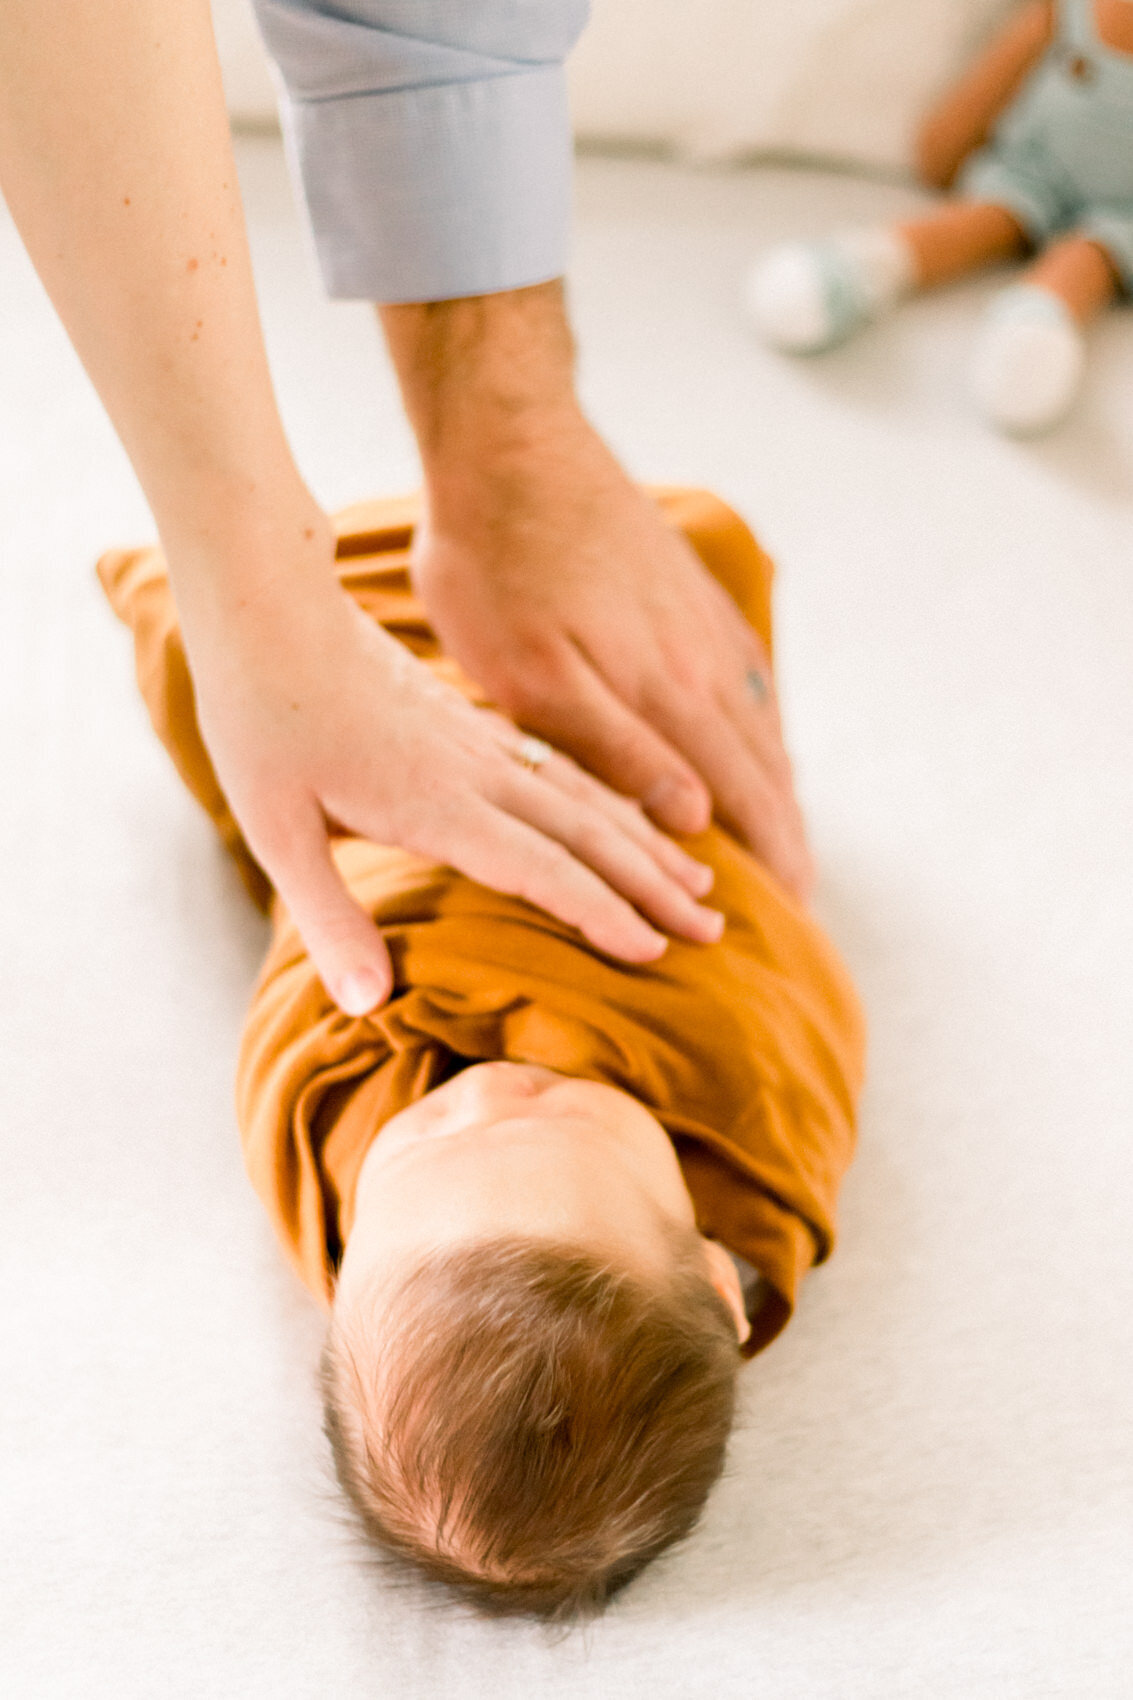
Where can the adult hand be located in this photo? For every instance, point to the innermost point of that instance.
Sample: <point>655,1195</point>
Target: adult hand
<point>558,586</point>
<point>312,715</point>
<point>309,711</point>
<point>591,622</point>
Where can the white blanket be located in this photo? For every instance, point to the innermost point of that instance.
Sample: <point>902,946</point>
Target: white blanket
<point>930,1496</point>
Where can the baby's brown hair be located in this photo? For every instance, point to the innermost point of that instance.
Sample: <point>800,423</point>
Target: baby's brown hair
<point>534,1425</point>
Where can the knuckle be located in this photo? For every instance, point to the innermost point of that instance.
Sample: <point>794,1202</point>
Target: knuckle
<point>427,823</point>
<point>594,839</point>
<point>628,816</point>
<point>532,677</point>
<point>338,930</point>
<point>552,864</point>
<point>527,693</point>
<point>684,670</point>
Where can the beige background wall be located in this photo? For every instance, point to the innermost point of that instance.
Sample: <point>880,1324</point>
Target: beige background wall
<point>717,79</point>
<point>842,79</point>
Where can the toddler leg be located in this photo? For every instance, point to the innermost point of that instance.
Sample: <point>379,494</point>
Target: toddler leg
<point>1080,272</point>
<point>805,297</point>
<point>1029,358</point>
<point>962,238</point>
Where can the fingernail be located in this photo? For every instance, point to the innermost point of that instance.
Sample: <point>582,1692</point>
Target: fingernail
<point>712,923</point>
<point>677,805</point>
<point>360,992</point>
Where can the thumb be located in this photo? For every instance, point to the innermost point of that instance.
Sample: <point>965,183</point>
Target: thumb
<point>592,723</point>
<point>348,951</point>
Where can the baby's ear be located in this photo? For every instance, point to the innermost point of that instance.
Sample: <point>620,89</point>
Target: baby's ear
<point>724,1277</point>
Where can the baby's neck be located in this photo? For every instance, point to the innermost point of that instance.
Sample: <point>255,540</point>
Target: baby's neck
<point>1114,22</point>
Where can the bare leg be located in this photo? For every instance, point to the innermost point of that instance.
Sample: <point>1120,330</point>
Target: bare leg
<point>962,238</point>
<point>1080,273</point>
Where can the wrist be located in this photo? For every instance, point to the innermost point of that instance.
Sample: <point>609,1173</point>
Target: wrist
<point>488,384</point>
<point>255,547</point>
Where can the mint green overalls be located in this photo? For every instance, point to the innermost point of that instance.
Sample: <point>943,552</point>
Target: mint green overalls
<point>1061,157</point>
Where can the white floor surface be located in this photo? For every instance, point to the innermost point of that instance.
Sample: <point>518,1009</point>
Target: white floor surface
<point>931,1493</point>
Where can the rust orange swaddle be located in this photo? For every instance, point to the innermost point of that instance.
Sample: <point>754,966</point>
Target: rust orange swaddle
<point>749,1052</point>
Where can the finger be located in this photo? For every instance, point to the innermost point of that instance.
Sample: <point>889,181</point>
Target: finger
<point>752,786</point>
<point>764,814</point>
<point>568,778</point>
<point>575,709</point>
<point>756,800</point>
<point>749,697</point>
<point>728,726</point>
<point>348,951</point>
<point>504,852</point>
<point>597,839</point>
<point>565,775</point>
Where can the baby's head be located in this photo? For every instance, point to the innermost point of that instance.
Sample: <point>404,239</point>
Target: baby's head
<point>531,1365</point>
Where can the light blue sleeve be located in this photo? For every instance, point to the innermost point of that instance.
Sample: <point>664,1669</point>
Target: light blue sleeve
<point>432,139</point>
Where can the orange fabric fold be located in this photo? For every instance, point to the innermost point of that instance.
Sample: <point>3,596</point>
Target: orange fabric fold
<point>750,1052</point>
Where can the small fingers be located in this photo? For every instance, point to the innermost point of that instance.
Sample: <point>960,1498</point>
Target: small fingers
<point>348,951</point>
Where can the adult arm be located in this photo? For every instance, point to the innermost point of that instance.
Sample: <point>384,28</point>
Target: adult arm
<point>556,582</point>
<point>434,145</point>
<point>964,118</point>
<point>116,163</point>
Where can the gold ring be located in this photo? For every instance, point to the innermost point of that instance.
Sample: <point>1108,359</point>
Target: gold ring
<point>531,753</point>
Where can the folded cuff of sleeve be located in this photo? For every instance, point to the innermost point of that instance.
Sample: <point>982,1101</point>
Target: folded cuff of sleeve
<point>427,194</point>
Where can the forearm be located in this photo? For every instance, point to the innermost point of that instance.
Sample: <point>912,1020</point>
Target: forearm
<point>488,383</point>
<point>116,163</point>
<point>965,117</point>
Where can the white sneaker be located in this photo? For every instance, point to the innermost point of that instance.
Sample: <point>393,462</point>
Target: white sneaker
<point>1027,366</point>
<point>807,297</point>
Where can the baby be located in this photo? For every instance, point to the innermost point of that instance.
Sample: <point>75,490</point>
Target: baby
<point>550,1199</point>
<point>1038,139</point>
